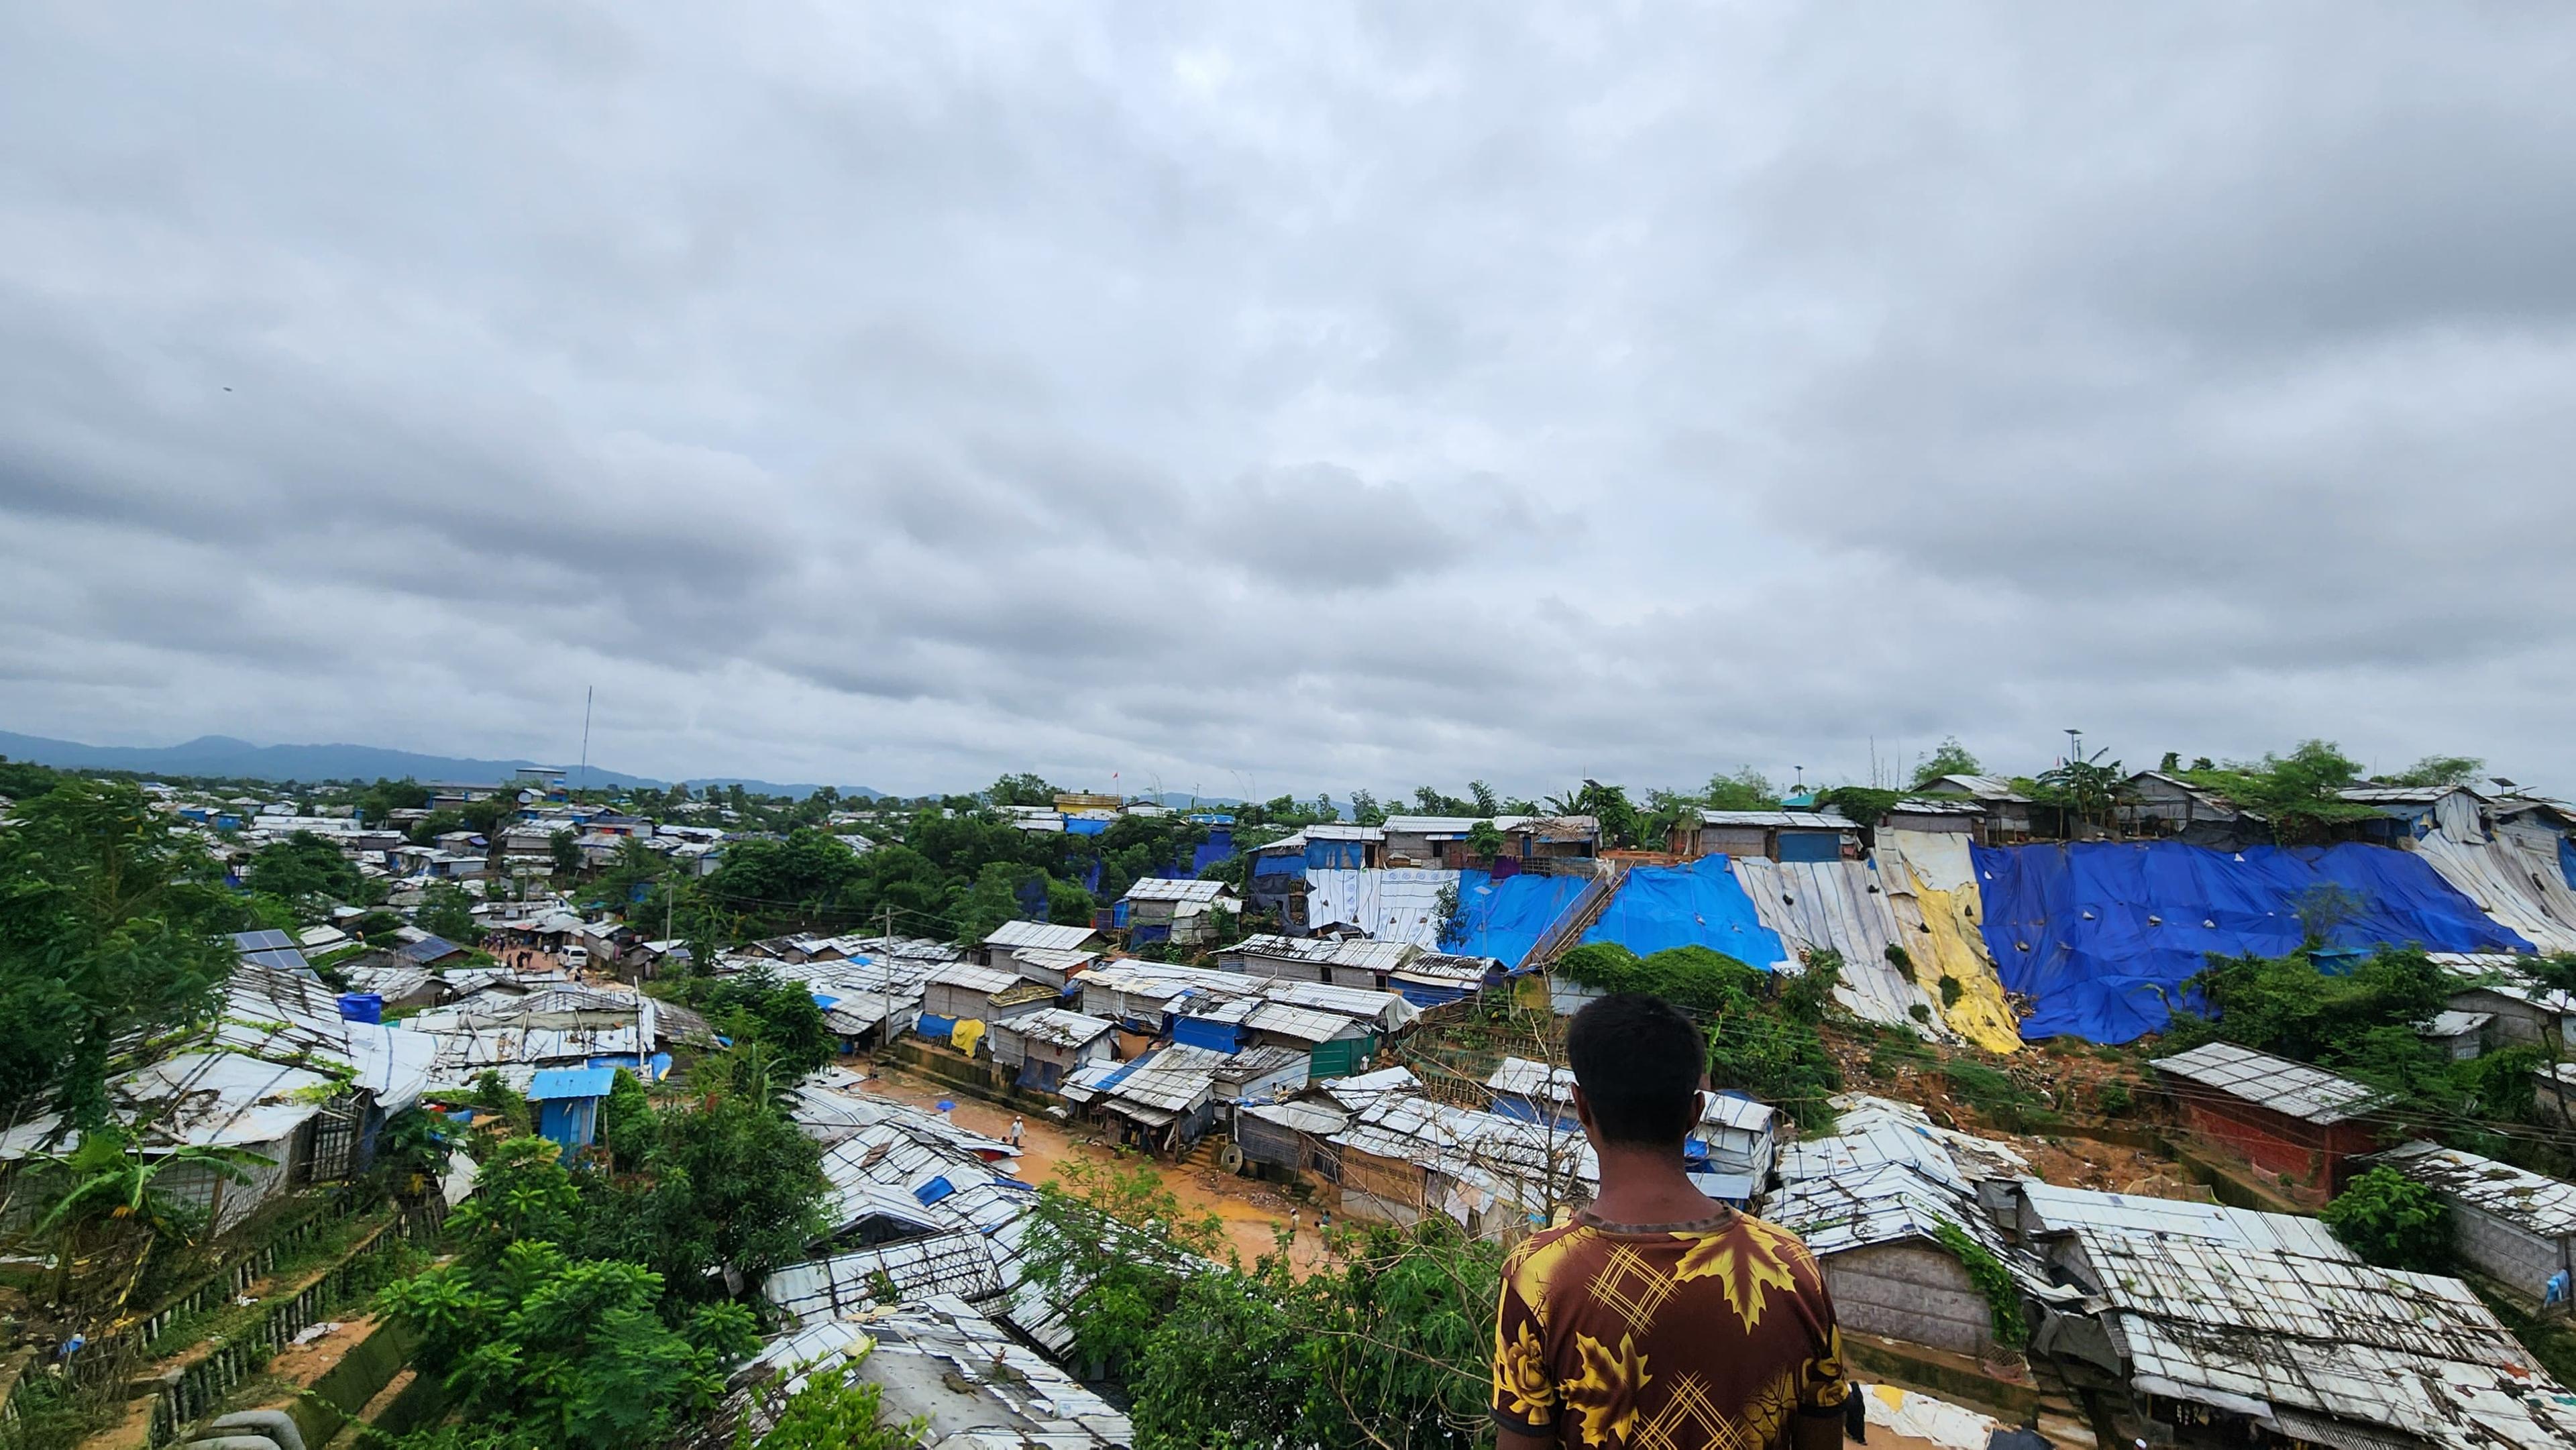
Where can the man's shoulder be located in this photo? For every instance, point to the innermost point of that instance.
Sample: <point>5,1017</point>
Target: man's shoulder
<point>1782,1242</point>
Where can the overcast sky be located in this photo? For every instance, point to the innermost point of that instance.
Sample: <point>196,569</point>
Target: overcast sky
<point>1310,399</point>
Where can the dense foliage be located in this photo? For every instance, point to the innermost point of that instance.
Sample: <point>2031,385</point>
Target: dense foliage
<point>539,1348</point>
<point>2296,792</point>
<point>1384,1347</point>
<point>303,869</point>
<point>2392,1221</point>
<point>759,1006</point>
<point>109,929</point>
<point>1762,1028</point>
<point>2362,1022</point>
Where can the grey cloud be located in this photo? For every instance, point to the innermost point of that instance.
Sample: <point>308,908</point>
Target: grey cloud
<point>1341,399</point>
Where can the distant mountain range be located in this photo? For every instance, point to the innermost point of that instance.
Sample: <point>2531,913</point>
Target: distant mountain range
<point>221,755</point>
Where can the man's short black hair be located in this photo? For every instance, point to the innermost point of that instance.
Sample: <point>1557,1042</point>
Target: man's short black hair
<point>1639,1062</point>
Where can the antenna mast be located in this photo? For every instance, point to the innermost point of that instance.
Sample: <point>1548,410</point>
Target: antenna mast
<point>582,777</point>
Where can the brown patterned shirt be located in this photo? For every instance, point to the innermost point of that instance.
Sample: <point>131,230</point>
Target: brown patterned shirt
<point>1666,1336</point>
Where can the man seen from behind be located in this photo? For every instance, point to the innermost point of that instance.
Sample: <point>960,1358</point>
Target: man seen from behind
<point>1660,1317</point>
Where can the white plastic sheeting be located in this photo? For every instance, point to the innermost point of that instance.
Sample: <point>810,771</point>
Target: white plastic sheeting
<point>1400,904</point>
<point>2517,885</point>
<point>1839,905</point>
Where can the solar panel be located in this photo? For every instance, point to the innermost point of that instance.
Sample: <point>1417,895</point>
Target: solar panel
<point>262,941</point>
<point>286,960</point>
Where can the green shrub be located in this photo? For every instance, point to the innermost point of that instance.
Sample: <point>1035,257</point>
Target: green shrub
<point>2392,1221</point>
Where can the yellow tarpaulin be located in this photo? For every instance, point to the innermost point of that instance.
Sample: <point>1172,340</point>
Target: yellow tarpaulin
<point>1936,872</point>
<point>969,1032</point>
<point>1959,955</point>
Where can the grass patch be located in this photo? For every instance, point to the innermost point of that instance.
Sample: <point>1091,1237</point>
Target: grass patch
<point>1992,1093</point>
<point>226,1318</point>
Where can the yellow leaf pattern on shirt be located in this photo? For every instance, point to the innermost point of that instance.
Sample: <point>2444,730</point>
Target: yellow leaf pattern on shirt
<point>1606,1393</point>
<point>1747,1266</point>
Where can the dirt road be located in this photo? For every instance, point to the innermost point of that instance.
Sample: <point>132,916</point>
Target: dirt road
<point>1253,1212</point>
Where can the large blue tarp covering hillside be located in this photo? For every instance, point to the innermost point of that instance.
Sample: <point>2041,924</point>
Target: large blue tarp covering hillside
<point>1700,904</point>
<point>1506,918</point>
<point>2102,935</point>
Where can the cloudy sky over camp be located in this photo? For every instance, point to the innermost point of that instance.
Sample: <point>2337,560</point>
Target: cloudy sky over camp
<point>1305,397</point>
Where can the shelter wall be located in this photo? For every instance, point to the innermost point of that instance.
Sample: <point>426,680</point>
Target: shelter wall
<point>1911,1291</point>
<point>2517,1257</point>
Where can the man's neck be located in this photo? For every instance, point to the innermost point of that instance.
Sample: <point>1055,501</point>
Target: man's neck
<point>1648,1185</point>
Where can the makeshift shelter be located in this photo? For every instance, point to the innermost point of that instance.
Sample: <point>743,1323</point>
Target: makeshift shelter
<point>2231,1327</point>
<point>2513,1225</point>
<point>568,1100</point>
<point>1040,1048</point>
<point>2286,1118</point>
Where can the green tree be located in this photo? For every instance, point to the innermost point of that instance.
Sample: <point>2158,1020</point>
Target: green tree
<point>2392,1221</point>
<point>1365,809</point>
<point>1745,790</point>
<point>727,1189</point>
<point>1022,789</point>
<point>304,869</point>
<point>567,1351</point>
<point>1948,758</point>
<point>831,1411</point>
<point>1607,804</point>
<point>1484,841</point>
<point>378,802</point>
<point>108,932</point>
<point>2298,793</point>
<point>1089,1248</point>
<point>2441,770</point>
<point>1487,803</point>
<point>563,847</point>
<point>759,1006</point>
<point>111,1192</point>
<point>446,911</point>
<point>991,901</point>
<point>2085,790</point>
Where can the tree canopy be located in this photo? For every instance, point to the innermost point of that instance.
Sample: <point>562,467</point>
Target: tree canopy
<point>109,929</point>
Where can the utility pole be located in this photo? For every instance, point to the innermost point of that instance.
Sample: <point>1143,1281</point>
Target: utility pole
<point>885,985</point>
<point>583,776</point>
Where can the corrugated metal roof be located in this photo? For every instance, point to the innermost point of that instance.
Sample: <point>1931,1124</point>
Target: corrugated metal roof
<point>2528,1201</point>
<point>1982,787</point>
<point>1782,820</point>
<point>1058,1027</point>
<point>2251,1330</point>
<point>2295,1089</point>
<point>1306,1024</point>
<point>2048,1209</point>
<point>1359,952</point>
<point>1017,934</point>
<point>572,1082</point>
<point>1170,888</point>
<point>974,977</point>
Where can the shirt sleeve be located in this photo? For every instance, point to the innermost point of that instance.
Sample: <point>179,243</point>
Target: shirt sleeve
<point>1824,1383</point>
<point>1524,1383</point>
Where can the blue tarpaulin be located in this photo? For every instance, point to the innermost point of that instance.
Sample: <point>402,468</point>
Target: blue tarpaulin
<point>1336,855</point>
<point>1085,826</point>
<point>1700,904</point>
<point>2102,935</point>
<point>1811,846</point>
<point>1506,918</point>
<point>933,1026</point>
<point>2567,860</point>
<point>1279,863</point>
<point>1201,1032</point>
